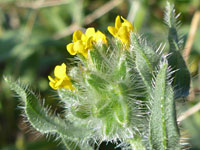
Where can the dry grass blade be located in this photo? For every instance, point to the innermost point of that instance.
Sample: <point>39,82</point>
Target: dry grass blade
<point>67,31</point>
<point>192,32</point>
<point>189,112</point>
<point>89,18</point>
<point>189,43</point>
<point>41,3</point>
<point>101,11</point>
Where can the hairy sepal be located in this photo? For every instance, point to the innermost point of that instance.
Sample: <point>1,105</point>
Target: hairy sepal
<point>145,59</point>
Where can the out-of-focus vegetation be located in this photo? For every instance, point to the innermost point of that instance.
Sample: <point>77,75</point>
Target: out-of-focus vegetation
<point>33,36</point>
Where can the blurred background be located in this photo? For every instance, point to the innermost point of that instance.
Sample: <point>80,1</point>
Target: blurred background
<point>33,36</point>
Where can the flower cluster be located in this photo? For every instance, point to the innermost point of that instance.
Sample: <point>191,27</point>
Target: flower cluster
<point>82,43</point>
<point>121,30</point>
<point>61,79</point>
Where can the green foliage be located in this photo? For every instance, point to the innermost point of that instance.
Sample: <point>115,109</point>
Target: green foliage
<point>115,100</point>
<point>182,75</point>
<point>164,132</point>
<point>40,118</point>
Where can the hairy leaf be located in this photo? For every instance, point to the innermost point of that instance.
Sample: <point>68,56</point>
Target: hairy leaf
<point>40,118</point>
<point>181,81</point>
<point>164,134</point>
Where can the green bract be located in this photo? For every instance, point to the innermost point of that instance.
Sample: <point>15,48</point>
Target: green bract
<point>121,95</point>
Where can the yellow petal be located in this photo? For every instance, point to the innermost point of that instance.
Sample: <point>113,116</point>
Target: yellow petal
<point>67,84</point>
<point>77,35</point>
<point>52,85</point>
<point>85,54</point>
<point>60,71</point>
<point>70,49</point>
<point>84,38</point>
<point>90,32</point>
<point>100,37</point>
<point>118,22</point>
<point>59,83</point>
<point>127,24</point>
<point>51,79</point>
<point>89,43</point>
<point>79,46</point>
<point>112,30</point>
<point>124,34</point>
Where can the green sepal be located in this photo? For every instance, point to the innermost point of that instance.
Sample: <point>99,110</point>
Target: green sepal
<point>98,59</point>
<point>109,126</point>
<point>81,111</point>
<point>69,144</point>
<point>121,113</point>
<point>96,82</point>
<point>120,108</point>
<point>75,144</point>
<point>136,143</point>
<point>120,71</point>
<point>103,108</point>
<point>145,59</point>
<point>67,96</point>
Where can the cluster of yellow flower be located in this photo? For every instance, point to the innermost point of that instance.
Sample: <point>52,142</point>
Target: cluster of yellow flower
<point>121,30</point>
<point>61,79</point>
<point>82,43</point>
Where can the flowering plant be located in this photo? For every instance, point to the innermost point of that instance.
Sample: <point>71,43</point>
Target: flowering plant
<point>121,90</point>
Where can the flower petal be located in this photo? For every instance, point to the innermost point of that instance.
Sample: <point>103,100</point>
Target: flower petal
<point>52,85</point>
<point>70,49</point>
<point>51,79</point>
<point>124,34</point>
<point>90,32</point>
<point>127,24</point>
<point>118,22</point>
<point>89,43</point>
<point>100,37</point>
<point>60,71</point>
<point>112,30</point>
<point>77,35</point>
<point>67,84</point>
<point>59,83</point>
<point>79,46</point>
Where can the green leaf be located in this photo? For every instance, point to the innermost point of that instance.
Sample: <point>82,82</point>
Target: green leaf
<point>181,80</point>
<point>69,144</point>
<point>81,111</point>
<point>98,58</point>
<point>145,60</point>
<point>120,72</point>
<point>136,143</point>
<point>164,133</point>
<point>40,118</point>
<point>97,83</point>
<point>73,145</point>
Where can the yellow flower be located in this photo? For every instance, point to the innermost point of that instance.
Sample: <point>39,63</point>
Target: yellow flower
<point>61,79</point>
<point>121,30</point>
<point>84,42</point>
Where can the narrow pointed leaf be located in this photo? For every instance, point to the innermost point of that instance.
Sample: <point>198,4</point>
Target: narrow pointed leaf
<point>164,133</point>
<point>182,75</point>
<point>145,59</point>
<point>40,118</point>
